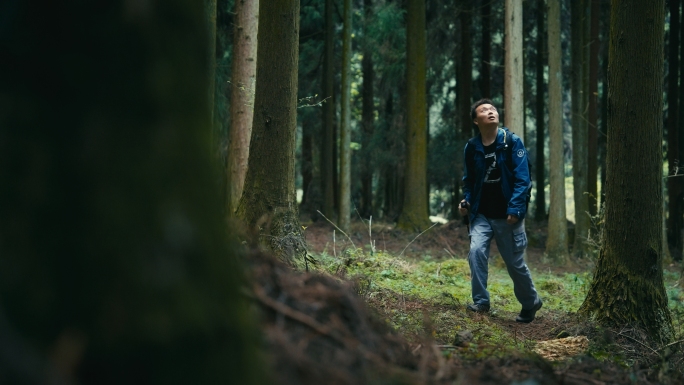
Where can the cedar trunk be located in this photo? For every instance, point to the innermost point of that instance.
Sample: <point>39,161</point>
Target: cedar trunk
<point>674,189</point>
<point>557,242</point>
<point>327,152</point>
<point>579,129</point>
<point>540,197</point>
<point>485,72</point>
<point>465,69</point>
<point>269,201</point>
<point>513,78</point>
<point>243,77</point>
<point>628,283</point>
<point>344,213</point>
<point>592,156</point>
<point>368,119</point>
<point>414,213</point>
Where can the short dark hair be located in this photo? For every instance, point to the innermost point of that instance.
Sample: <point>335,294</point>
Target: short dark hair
<point>478,103</point>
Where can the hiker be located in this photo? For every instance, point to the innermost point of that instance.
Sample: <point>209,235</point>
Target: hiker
<point>496,188</point>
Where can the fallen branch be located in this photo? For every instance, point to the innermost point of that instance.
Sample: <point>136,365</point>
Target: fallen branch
<point>409,244</point>
<point>345,234</point>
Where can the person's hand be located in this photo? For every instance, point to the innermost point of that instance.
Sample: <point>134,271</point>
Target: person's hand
<point>463,210</point>
<point>512,219</point>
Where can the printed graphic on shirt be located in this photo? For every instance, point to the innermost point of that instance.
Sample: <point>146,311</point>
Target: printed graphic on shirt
<point>493,174</point>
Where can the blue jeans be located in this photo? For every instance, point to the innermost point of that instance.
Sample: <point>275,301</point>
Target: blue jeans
<point>511,241</point>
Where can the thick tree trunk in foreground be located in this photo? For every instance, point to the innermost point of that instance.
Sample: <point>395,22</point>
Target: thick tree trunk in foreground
<point>344,213</point>
<point>243,77</point>
<point>328,141</point>
<point>579,133</point>
<point>557,242</point>
<point>116,267</point>
<point>628,283</point>
<point>513,77</point>
<point>414,212</point>
<point>674,185</point>
<point>269,199</point>
<point>540,197</point>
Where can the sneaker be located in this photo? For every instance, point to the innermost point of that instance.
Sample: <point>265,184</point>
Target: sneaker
<point>478,307</point>
<point>527,316</point>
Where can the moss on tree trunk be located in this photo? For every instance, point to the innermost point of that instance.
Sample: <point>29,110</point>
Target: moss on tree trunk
<point>268,202</point>
<point>628,284</point>
<point>414,212</point>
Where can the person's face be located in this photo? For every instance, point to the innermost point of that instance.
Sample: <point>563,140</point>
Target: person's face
<point>486,114</point>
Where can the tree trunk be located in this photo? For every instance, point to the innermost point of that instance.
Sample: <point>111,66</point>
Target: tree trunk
<point>674,222</point>
<point>269,201</point>
<point>513,78</point>
<point>111,219</point>
<point>540,197</point>
<point>464,58</point>
<point>579,132</point>
<point>414,215</point>
<point>307,160</point>
<point>592,121</point>
<point>328,142</point>
<point>628,284</point>
<point>211,63</point>
<point>368,117</point>
<point>243,77</point>
<point>485,73</point>
<point>557,241</point>
<point>344,213</point>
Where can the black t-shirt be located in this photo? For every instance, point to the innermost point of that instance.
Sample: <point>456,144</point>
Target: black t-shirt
<point>492,202</point>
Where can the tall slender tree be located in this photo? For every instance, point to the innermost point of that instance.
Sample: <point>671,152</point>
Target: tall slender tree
<point>367,114</point>
<point>579,133</point>
<point>628,283</point>
<point>592,115</point>
<point>243,78</point>
<point>344,213</point>
<point>485,50</point>
<point>514,106</point>
<point>414,213</point>
<point>328,137</point>
<point>211,52</point>
<point>268,200</point>
<point>557,241</point>
<point>674,185</point>
<point>540,196</point>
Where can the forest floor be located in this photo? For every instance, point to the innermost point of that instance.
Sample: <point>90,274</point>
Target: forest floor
<point>415,289</point>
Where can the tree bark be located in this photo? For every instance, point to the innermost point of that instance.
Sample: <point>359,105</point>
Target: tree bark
<point>243,78</point>
<point>557,241</point>
<point>414,215</point>
<point>674,221</point>
<point>579,132</point>
<point>344,213</point>
<point>514,108</point>
<point>110,216</point>
<point>328,142</point>
<point>211,63</point>
<point>540,197</point>
<point>367,116</point>
<point>464,58</point>
<point>628,284</point>
<point>486,48</point>
<point>269,201</point>
<point>592,120</point>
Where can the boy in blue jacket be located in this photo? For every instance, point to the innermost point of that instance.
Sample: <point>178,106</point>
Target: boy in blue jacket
<point>496,182</point>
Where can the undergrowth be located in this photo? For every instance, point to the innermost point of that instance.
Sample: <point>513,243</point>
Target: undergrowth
<point>424,299</point>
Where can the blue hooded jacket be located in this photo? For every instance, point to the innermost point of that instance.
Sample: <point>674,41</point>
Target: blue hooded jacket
<point>515,173</point>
